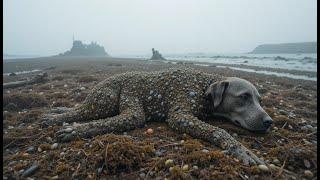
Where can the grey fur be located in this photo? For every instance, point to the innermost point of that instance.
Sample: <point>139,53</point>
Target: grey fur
<point>177,96</point>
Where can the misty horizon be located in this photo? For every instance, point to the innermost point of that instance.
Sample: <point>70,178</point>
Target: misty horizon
<point>46,28</point>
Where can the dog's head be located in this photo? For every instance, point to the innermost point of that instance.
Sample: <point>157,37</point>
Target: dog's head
<point>239,101</point>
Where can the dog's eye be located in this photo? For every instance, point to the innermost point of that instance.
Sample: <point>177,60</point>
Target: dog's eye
<point>245,96</point>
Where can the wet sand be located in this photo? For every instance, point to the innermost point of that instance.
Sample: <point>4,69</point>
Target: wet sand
<point>291,143</point>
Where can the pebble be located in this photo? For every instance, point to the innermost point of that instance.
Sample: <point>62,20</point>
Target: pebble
<point>192,94</point>
<point>306,163</point>
<point>150,131</point>
<point>276,161</point>
<point>273,167</point>
<point>308,173</point>
<point>21,171</point>
<point>54,146</point>
<point>68,130</point>
<point>39,149</point>
<point>151,173</point>
<point>82,88</point>
<point>185,168</point>
<point>30,149</point>
<point>205,150</point>
<point>54,177</point>
<point>307,127</point>
<point>195,167</point>
<point>142,175</point>
<point>263,168</point>
<point>283,112</point>
<point>49,139</point>
<point>169,163</point>
<point>66,85</point>
<point>30,171</point>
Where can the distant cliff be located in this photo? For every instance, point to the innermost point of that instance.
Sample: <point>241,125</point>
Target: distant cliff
<point>289,48</point>
<point>80,49</point>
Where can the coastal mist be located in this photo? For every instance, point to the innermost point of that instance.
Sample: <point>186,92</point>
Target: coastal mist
<point>160,89</point>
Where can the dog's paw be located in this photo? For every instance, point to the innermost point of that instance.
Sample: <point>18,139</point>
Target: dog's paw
<point>67,133</point>
<point>247,157</point>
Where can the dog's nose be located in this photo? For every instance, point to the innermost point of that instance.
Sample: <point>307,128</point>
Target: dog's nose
<point>267,121</point>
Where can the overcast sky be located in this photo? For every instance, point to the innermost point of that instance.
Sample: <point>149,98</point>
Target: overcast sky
<point>46,27</point>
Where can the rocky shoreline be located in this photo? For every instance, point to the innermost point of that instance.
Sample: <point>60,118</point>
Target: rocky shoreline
<point>31,150</point>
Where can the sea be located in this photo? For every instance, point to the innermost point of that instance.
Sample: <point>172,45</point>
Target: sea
<point>298,62</point>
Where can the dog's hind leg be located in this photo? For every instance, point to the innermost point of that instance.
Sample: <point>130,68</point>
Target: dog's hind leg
<point>185,122</point>
<point>131,116</point>
<point>100,103</point>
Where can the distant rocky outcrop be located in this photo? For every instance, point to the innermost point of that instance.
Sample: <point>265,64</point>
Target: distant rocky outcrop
<point>156,55</point>
<point>80,49</point>
<point>290,48</point>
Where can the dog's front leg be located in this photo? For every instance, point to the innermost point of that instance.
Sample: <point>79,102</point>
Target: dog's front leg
<point>185,122</point>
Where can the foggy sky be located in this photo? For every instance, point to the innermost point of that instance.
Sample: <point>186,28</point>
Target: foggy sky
<point>46,27</point>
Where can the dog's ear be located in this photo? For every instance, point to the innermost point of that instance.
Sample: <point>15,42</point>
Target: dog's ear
<point>216,92</point>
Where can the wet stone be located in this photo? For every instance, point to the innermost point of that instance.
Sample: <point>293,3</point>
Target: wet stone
<point>30,171</point>
<point>263,168</point>
<point>30,149</point>
<point>308,173</point>
<point>307,127</point>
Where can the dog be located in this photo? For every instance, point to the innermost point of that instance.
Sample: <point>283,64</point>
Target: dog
<point>184,98</point>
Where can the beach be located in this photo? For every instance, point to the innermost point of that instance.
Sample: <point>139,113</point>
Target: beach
<point>290,145</point>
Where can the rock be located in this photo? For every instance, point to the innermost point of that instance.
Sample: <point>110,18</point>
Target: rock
<point>245,61</point>
<point>54,177</point>
<point>307,127</point>
<point>195,167</point>
<point>49,139</point>
<point>150,131</point>
<point>68,130</point>
<point>306,163</point>
<point>276,161</point>
<point>308,173</point>
<point>82,88</point>
<point>205,150</point>
<point>66,85</point>
<point>273,167</point>
<point>169,163</point>
<point>21,171</point>
<point>156,55</point>
<point>185,168</point>
<point>30,171</point>
<point>39,149</point>
<point>142,175</point>
<point>30,149</point>
<point>263,168</point>
<point>192,94</point>
<point>283,112</point>
<point>54,146</point>
<point>12,74</point>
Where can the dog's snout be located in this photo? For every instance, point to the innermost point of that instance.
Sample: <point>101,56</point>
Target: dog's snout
<point>267,121</point>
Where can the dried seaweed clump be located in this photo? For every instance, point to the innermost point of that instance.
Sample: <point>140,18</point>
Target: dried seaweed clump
<point>121,154</point>
<point>23,101</point>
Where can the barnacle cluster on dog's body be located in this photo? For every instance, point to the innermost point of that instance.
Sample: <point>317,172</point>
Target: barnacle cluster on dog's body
<point>126,101</point>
